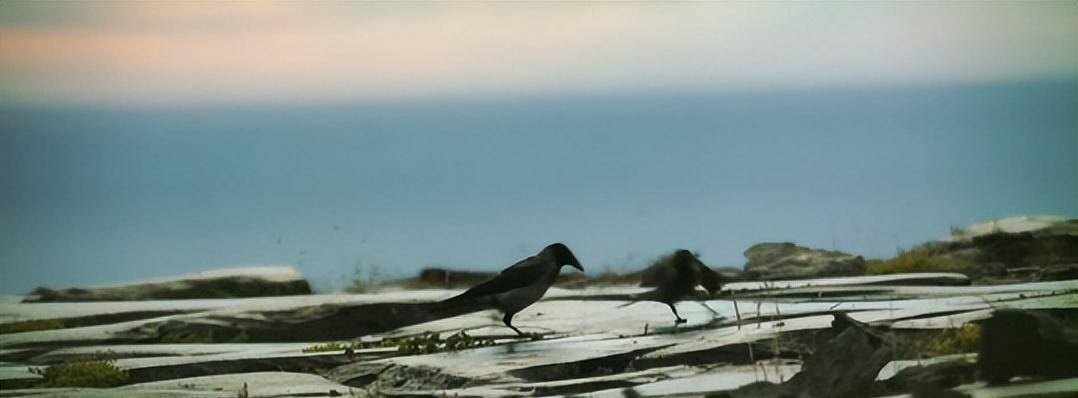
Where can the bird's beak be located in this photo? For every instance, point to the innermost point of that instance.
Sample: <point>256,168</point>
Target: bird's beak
<point>577,265</point>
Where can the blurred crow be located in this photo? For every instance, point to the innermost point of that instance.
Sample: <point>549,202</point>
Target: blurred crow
<point>520,285</point>
<point>676,277</point>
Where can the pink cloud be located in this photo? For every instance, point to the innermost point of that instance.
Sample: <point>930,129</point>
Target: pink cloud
<point>252,51</point>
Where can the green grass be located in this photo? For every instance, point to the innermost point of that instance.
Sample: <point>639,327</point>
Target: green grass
<point>31,326</point>
<point>954,341</point>
<point>355,345</point>
<point>913,261</point>
<point>426,343</point>
<point>326,347</point>
<point>93,374</point>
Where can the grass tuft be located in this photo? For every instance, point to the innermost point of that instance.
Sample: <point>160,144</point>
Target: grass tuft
<point>954,341</point>
<point>91,374</point>
<point>31,326</point>
<point>429,342</point>
<point>355,345</point>
<point>426,343</point>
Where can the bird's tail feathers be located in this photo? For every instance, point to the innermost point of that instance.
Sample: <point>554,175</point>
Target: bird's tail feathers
<point>451,302</point>
<point>462,301</point>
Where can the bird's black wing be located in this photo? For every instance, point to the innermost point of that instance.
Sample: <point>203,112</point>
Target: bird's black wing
<point>663,277</point>
<point>516,276</point>
<point>707,277</point>
<point>666,273</point>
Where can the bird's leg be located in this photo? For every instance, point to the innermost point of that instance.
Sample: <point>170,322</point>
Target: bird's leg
<point>679,318</point>
<point>713,312</point>
<point>508,319</point>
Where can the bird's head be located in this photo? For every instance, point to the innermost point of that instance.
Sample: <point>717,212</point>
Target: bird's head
<point>682,255</point>
<point>564,256</point>
<point>686,261</point>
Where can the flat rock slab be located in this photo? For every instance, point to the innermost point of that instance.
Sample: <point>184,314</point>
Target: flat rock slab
<point>1046,388</point>
<point>259,384</point>
<point>565,358</point>
<point>561,387</point>
<point>1068,301</point>
<point>497,363</point>
<point>563,317</point>
<point>16,375</point>
<point>892,368</point>
<point>557,318</point>
<point>120,351</point>
<point>113,393</point>
<point>593,341</point>
<point>1062,387</point>
<point>716,380</point>
<point>703,340</point>
<point>12,312</point>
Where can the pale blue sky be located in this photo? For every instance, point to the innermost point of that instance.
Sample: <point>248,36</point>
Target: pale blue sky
<point>473,135</point>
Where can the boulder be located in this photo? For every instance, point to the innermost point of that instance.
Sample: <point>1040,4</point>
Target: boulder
<point>224,283</point>
<point>789,261</point>
<point>844,366</point>
<point>1026,343</point>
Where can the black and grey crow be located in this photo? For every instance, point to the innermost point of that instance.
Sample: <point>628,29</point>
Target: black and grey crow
<point>520,285</point>
<point>676,277</point>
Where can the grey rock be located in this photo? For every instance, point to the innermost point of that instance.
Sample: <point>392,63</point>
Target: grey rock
<point>789,261</point>
<point>844,367</point>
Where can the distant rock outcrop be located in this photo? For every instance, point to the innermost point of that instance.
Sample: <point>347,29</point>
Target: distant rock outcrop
<point>1048,252</point>
<point>789,261</point>
<point>1037,225</point>
<point>224,283</point>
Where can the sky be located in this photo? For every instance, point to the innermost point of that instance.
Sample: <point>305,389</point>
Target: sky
<point>145,139</point>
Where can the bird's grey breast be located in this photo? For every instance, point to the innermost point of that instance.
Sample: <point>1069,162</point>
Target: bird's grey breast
<point>517,299</point>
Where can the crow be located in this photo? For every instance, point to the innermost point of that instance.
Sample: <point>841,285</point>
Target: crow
<point>520,285</point>
<point>676,277</point>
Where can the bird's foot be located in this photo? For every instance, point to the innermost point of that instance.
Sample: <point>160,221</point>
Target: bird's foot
<point>680,321</point>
